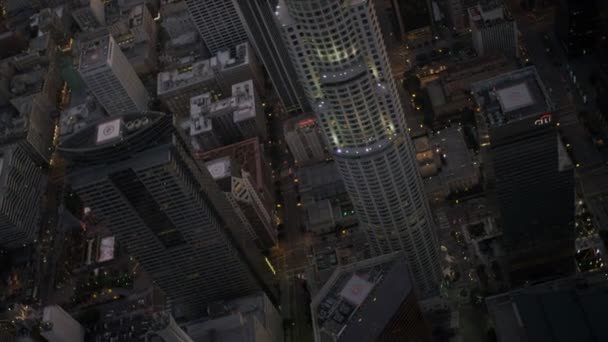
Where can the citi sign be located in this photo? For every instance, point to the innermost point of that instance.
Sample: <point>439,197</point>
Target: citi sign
<point>543,120</point>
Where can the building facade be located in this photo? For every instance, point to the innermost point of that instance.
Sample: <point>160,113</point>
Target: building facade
<point>258,19</point>
<point>110,77</point>
<point>21,187</point>
<point>218,23</point>
<point>166,209</point>
<point>341,61</point>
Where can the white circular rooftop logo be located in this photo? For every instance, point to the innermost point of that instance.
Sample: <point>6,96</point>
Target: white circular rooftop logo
<point>108,131</point>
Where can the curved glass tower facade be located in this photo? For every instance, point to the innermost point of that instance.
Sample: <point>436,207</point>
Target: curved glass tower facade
<point>338,51</point>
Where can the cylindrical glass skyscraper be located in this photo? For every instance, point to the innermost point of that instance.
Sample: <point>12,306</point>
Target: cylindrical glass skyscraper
<point>338,51</point>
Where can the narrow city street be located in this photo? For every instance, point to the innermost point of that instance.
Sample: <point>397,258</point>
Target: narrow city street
<point>291,256</point>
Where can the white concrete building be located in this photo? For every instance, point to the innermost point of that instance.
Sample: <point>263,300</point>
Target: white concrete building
<point>342,63</point>
<point>110,77</point>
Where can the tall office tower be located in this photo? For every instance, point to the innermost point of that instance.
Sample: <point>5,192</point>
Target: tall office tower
<point>21,187</point>
<point>341,61</point>
<point>265,36</point>
<point>493,32</point>
<point>218,23</point>
<point>226,23</point>
<point>530,174</point>
<point>110,78</point>
<point>305,140</point>
<point>32,82</point>
<point>137,175</point>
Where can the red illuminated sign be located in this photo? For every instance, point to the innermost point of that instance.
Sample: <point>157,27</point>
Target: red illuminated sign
<point>543,119</point>
<point>306,122</point>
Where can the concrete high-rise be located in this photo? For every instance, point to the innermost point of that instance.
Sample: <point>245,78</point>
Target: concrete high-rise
<point>265,36</point>
<point>529,174</point>
<point>136,173</point>
<point>110,78</point>
<point>341,61</point>
<point>218,23</point>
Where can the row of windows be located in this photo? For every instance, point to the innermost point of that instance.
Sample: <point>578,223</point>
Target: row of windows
<point>172,269</point>
<point>19,205</point>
